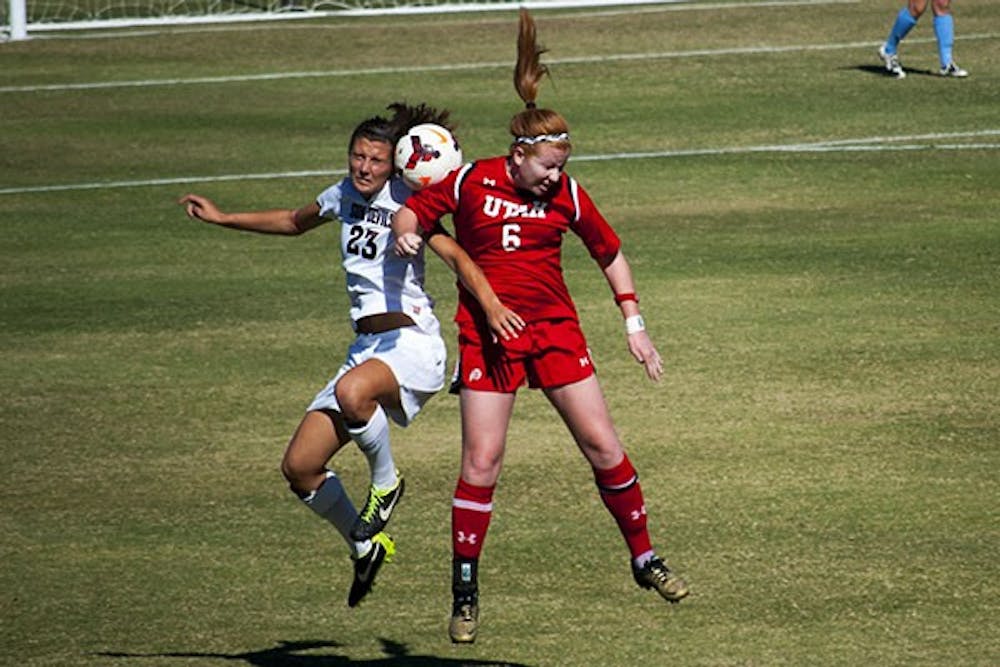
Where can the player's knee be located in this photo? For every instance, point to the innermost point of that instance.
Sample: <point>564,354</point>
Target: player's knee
<point>299,472</point>
<point>289,470</point>
<point>356,405</point>
<point>482,468</point>
<point>602,454</point>
<point>918,7</point>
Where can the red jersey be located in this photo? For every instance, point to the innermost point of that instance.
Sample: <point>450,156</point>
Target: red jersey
<point>515,238</point>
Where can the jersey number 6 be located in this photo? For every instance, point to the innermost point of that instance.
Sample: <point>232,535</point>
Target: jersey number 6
<point>509,237</point>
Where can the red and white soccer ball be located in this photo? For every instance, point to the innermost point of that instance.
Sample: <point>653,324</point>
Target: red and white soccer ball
<point>426,154</point>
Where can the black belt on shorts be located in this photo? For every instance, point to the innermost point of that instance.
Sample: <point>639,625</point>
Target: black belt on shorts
<point>373,324</point>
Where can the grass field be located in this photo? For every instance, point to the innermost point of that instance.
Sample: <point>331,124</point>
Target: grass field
<point>817,248</point>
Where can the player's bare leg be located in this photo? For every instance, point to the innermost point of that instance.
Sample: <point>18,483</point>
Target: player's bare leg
<point>483,442</point>
<point>583,409</point>
<point>318,437</point>
<point>362,394</point>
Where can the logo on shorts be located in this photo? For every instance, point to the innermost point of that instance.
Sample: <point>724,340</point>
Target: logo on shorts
<point>475,374</point>
<point>584,361</point>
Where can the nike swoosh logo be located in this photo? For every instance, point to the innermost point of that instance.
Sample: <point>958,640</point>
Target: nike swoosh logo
<point>366,574</point>
<point>385,512</point>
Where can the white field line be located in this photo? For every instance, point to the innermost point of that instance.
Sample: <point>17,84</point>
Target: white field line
<point>300,20</point>
<point>454,67</point>
<point>892,143</point>
<point>173,181</point>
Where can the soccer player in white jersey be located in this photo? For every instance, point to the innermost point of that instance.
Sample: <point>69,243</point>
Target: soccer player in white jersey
<point>397,360</point>
<point>944,31</point>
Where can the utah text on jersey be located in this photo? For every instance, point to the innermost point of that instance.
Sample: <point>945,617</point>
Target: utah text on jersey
<point>495,207</point>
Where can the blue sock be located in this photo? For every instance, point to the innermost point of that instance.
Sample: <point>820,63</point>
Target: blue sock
<point>944,29</point>
<point>904,23</point>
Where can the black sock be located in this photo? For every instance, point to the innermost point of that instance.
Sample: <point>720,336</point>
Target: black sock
<point>465,578</point>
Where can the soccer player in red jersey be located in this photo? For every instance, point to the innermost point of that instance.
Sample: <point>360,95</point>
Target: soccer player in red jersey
<point>510,215</point>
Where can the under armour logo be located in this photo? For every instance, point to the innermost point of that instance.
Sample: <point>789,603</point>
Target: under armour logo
<point>470,538</point>
<point>584,361</point>
<point>489,182</point>
<point>635,515</point>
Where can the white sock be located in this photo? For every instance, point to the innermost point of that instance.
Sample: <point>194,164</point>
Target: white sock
<point>643,558</point>
<point>331,502</point>
<point>373,440</point>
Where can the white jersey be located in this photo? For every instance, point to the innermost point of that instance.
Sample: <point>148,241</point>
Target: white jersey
<point>378,280</point>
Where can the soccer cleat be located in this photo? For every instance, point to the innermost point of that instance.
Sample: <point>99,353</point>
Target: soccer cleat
<point>953,70</point>
<point>655,574</point>
<point>465,592</point>
<point>892,65</point>
<point>464,619</point>
<point>367,566</point>
<point>378,509</point>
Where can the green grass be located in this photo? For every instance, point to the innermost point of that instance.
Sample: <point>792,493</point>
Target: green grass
<point>820,460</point>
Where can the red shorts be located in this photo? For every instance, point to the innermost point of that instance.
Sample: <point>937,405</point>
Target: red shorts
<point>547,354</point>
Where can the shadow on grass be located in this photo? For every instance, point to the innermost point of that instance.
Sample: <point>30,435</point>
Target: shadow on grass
<point>289,654</point>
<point>881,71</point>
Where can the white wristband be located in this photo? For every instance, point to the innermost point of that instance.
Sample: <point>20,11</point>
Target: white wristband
<point>634,324</point>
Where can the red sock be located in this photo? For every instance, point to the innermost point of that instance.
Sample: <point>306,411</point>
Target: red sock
<point>471,510</point>
<point>622,495</point>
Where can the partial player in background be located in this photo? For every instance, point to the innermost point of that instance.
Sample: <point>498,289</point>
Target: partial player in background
<point>511,213</point>
<point>944,31</point>
<point>397,360</point>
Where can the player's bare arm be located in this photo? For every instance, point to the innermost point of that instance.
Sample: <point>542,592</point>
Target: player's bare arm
<point>404,226</point>
<point>504,322</point>
<point>288,222</point>
<point>619,276</point>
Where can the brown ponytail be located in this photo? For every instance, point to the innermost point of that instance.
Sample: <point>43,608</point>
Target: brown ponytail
<point>533,125</point>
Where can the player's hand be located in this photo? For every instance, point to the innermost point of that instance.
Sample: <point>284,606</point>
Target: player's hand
<point>200,208</point>
<point>504,322</point>
<point>408,244</point>
<point>642,348</point>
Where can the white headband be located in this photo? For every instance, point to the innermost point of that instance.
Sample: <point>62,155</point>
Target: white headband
<point>562,136</point>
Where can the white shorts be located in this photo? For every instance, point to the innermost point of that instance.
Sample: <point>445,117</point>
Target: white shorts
<point>416,358</point>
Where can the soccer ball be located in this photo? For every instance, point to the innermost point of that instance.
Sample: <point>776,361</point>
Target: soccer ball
<point>426,154</point>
